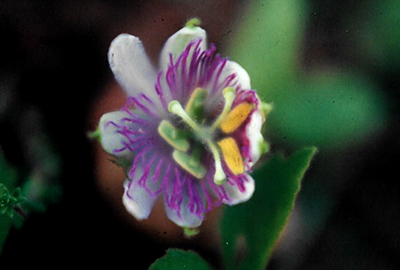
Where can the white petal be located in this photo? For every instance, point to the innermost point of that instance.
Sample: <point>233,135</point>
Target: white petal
<point>253,132</point>
<point>110,139</point>
<point>137,200</point>
<point>177,43</point>
<point>242,76</point>
<point>235,195</point>
<point>187,219</point>
<point>131,66</point>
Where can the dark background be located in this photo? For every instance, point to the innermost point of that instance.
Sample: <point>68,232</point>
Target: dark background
<point>54,63</point>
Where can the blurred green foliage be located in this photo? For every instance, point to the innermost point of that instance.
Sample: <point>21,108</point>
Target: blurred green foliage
<point>176,259</point>
<point>8,177</point>
<point>327,109</point>
<point>37,181</point>
<point>267,42</point>
<point>250,230</point>
<point>10,200</point>
<point>379,35</point>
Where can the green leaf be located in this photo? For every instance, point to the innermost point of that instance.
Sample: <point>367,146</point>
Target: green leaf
<point>250,230</point>
<point>8,177</point>
<point>378,34</point>
<point>329,110</point>
<point>177,259</point>
<point>267,44</point>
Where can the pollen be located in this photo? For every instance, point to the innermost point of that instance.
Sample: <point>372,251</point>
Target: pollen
<point>230,152</point>
<point>236,117</point>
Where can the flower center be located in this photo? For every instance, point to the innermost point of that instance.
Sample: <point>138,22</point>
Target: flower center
<point>189,158</point>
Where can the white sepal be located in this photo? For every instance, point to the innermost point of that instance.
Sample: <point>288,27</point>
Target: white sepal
<point>110,139</point>
<point>131,66</point>
<point>242,77</point>
<point>186,218</point>
<point>178,42</point>
<point>137,201</point>
<point>253,133</point>
<point>235,195</point>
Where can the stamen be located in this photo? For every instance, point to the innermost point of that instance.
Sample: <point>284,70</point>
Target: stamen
<point>176,108</point>
<point>236,117</point>
<point>195,106</point>
<point>229,95</point>
<point>190,163</point>
<point>172,136</point>
<point>219,176</point>
<point>232,156</point>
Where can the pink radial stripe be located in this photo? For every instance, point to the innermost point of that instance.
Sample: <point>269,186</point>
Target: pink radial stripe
<point>146,172</point>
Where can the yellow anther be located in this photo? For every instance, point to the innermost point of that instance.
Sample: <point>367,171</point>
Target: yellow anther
<point>236,117</point>
<point>233,158</point>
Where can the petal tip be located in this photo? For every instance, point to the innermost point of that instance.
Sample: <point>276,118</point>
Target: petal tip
<point>133,208</point>
<point>236,196</point>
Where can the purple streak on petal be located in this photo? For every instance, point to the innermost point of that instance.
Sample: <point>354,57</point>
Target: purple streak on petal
<point>209,201</point>
<point>111,123</point>
<point>119,150</point>
<point>218,74</point>
<point>195,68</point>
<point>227,81</point>
<point>128,132</point>
<point>164,183</point>
<point>158,170</point>
<point>194,64</point>
<point>218,190</point>
<point>160,92</point>
<point>145,97</point>
<point>174,194</point>
<point>146,172</point>
<point>134,118</point>
<point>136,161</point>
<point>196,203</point>
<point>238,181</point>
<point>192,199</point>
<point>240,184</point>
<point>155,178</point>
<point>177,197</point>
<point>140,105</point>
<point>183,60</point>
